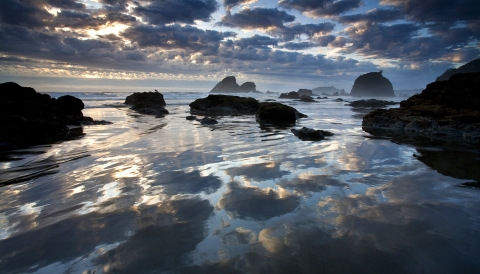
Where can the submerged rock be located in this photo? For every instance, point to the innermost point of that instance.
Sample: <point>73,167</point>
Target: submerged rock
<point>444,109</point>
<point>225,104</point>
<point>371,103</point>
<point>310,134</point>
<point>277,113</point>
<point>372,84</point>
<point>150,103</point>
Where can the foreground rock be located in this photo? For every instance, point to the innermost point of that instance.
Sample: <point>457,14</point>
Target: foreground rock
<point>372,84</point>
<point>277,113</point>
<point>446,109</point>
<point>372,103</point>
<point>229,84</point>
<point>151,103</point>
<point>225,105</point>
<point>28,117</point>
<point>470,67</point>
<point>310,134</point>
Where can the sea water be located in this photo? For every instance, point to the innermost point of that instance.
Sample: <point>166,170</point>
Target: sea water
<point>167,195</point>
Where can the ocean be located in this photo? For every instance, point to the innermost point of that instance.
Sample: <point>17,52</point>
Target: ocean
<point>167,195</point>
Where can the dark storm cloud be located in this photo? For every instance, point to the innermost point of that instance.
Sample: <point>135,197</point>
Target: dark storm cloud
<point>17,13</point>
<point>321,8</point>
<point>76,20</point>
<point>64,4</point>
<point>175,37</point>
<point>230,4</point>
<point>177,11</point>
<point>434,11</point>
<point>375,15</point>
<point>256,18</point>
<point>256,41</point>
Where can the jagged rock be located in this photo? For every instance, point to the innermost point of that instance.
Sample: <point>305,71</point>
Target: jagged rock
<point>310,134</point>
<point>191,118</point>
<point>372,103</point>
<point>444,109</point>
<point>472,66</point>
<point>207,121</point>
<point>229,84</point>
<point>290,95</point>
<point>225,104</point>
<point>277,113</point>
<point>372,84</point>
<point>303,91</point>
<point>248,87</point>
<point>306,98</point>
<point>70,105</point>
<point>150,103</point>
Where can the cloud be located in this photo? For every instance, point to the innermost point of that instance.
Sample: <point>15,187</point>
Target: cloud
<point>319,41</point>
<point>191,183</point>
<point>230,4</point>
<point>292,31</point>
<point>373,16</point>
<point>256,18</point>
<point>256,41</point>
<point>177,11</point>
<point>320,8</point>
<point>17,13</point>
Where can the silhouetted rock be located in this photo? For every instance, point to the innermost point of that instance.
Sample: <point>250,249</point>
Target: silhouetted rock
<point>372,84</point>
<point>310,134</point>
<point>225,104</point>
<point>338,100</point>
<point>470,67</point>
<point>207,121</point>
<point>248,87</point>
<point>290,95</point>
<point>229,84</point>
<point>322,97</point>
<point>372,103</point>
<point>329,91</point>
<point>444,109</point>
<point>191,118</point>
<point>277,113</point>
<point>150,103</point>
<point>303,91</point>
<point>306,98</point>
<point>28,117</point>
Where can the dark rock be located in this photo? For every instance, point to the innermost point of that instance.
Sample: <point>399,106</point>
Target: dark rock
<point>472,66</point>
<point>191,118</point>
<point>70,105</point>
<point>207,121</point>
<point>270,100</point>
<point>303,91</point>
<point>372,103</point>
<point>328,90</point>
<point>270,92</point>
<point>277,113</point>
<point>225,104</point>
<point>290,95</point>
<point>322,97</point>
<point>146,99</point>
<point>150,103</point>
<point>338,100</point>
<point>310,134</point>
<point>248,87</point>
<point>444,109</point>
<point>306,98</point>
<point>372,84</point>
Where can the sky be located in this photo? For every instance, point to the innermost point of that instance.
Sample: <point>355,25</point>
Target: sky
<point>190,45</point>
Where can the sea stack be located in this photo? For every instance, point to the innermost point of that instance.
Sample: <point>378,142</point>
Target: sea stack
<point>372,84</point>
<point>229,85</point>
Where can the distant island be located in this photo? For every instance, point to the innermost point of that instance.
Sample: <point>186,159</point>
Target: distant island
<point>329,91</point>
<point>372,84</point>
<point>229,85</point>
<point>472,66</point>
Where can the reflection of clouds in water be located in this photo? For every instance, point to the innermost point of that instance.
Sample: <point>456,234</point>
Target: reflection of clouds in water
<point>258,172</point>
<point>370,154</point>
<point>180,182</point>
<point>312,183</point>
<point>239,236</point>
<point>256,203</point>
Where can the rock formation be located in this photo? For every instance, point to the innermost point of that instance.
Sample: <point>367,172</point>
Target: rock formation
<point>310,134</point>
<point>444,109</point>
<point>229,84</point>
<point>472,66</point>
<point>303,91</point>
<point>372,84</point>
<point>290,95</point>
<point>224,104</point>
<point>277,113</point>
<point>151,103</point>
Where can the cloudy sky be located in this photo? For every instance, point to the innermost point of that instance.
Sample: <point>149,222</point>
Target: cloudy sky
<point>281,45</point>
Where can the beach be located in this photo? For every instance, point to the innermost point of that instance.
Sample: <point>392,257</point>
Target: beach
<point>168,195</point>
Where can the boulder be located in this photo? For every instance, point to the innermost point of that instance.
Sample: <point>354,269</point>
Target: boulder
<point>310,134</point>
<point>448,109</point>
<point>224,104</point>
<point>248,87</point>
<point>150,103</point>
<point>372,84</point>
<point>372,103</point>
<point>191,118</point>
<point>472,66</point>
<point>277,113</point>
<point>290,95</point>
<point>70,105</point>
<point>303,91</point>
<point>207,121</point>
<point>306,98</point>
<point>338,100</point>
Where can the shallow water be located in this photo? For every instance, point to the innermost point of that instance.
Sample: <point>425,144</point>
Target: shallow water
<point>156,195</point>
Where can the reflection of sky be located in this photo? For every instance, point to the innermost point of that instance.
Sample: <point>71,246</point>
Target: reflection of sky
<point>229,196</point>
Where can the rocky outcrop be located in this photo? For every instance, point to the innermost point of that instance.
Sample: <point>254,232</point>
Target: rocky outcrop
<point>310,134</point>
<point>445,109</point>
<point>372,103</point>
<point>224,105</point>
<point>329,91</point>
<point>28,117</point>
<point>277,113</point>
<point>303,91</point>
<point>372,84</point>
<point>470,67</point>
<point>150,103</point>
<point>290,95</point>
<point>229,85</point>
<point>306,98</point>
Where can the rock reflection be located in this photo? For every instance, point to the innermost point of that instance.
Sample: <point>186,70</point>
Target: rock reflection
<point>258,204</point>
